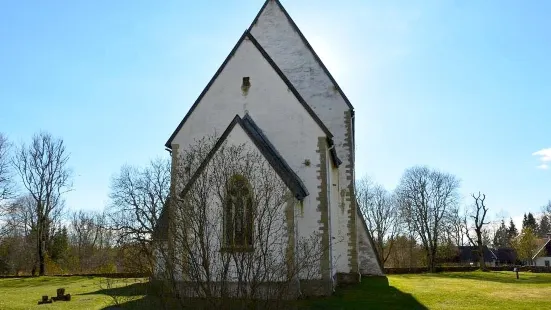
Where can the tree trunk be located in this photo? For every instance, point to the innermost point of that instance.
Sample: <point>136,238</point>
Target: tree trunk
<point>432,259</point>
<point>481,261</point>
<point>381,251</point>
<point>40,244</point>
<point>41,255</point>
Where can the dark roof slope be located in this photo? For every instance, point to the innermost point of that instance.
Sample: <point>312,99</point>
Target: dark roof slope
<point>370,238</point>
<point>249,36</point>
<point>506,255</point>
<point>545,249</point>
<point>470,254</point>
<point>267,149</point>
<point>278,163</point>
<point>316,57</point>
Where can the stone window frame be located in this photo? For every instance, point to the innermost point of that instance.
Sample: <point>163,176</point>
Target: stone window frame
<point>238,193</point>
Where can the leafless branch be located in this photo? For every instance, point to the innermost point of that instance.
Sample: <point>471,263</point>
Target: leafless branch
<point>138,196</point>
<point>42,166</point>
<point>380,211</point>
<point>206,252</point>
<point>6,182</point>
<point>426,197</point>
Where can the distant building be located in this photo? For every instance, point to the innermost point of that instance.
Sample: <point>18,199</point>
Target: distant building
<point>468,255</point>
<point>505,256</point>
<point>543,255</point>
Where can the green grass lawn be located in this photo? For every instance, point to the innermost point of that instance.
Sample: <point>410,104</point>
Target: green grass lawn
<point>86,292</point>
<point>458,290</point>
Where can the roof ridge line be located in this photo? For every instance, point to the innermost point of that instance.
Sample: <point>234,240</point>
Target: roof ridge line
<point>295,92</point>
<point>299,192</point>
<point>308,46</point>
<point>247,34</point>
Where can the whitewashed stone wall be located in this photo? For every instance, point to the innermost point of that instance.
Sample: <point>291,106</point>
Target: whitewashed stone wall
<point>369,264</point>
<point>274,242</point>
<point>283,43</point>
<point>276,111</point>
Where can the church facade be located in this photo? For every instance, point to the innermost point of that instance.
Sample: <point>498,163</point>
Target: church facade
<point>274,94</point>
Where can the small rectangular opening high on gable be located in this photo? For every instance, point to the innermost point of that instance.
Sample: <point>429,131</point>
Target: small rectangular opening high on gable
<point>245,85</point>
<point>246,82</point>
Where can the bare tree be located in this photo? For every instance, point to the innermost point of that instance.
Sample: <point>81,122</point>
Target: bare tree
<point>547,208</point>
<point>426,197</point>
<point>232,232</point>
<point>20,217</point>
<point>456,226</point>
<point>137,199</point>
<point>42,166</point>
<point>91,238</point>
<point>6,186</point>
<point>478,215</point>
<point>381,214</point>
<point>19,231</point>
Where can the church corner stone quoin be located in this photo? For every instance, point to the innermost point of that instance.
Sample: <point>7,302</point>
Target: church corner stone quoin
<point>273,84</point>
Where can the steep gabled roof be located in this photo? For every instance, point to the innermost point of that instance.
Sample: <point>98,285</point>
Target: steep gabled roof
<point>469,254</point>
<point>369,237</point>
<point>545,248</point>
<point>249,36</point>
<point>506,255</point>
<point>303,38</point>
<point>266,148</point>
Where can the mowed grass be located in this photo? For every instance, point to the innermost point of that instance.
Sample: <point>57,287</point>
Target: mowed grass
<point>478,290</point>
<point>454,290</point>
<point>457,290</point>
<point>86,292</point>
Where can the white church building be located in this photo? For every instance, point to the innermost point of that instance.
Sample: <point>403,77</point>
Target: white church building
<point>274,94</point>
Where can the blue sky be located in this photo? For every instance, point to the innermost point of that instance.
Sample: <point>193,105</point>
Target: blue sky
<point>462,86</point>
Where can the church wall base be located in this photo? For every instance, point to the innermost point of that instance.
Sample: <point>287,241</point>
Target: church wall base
<point>311,288</point>
<point>348,278</point>
<point>265,291</point>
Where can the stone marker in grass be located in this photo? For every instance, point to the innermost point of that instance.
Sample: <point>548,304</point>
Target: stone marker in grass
<point>61,295</point>
<point>45,300</point>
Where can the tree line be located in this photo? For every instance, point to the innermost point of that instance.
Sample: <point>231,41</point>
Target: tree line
<point>423,221</point>
<point>420,223</point>
<point>40,235</point>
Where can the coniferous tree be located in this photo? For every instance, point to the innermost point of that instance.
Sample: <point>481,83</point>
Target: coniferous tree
<point>544,226</point>
<point>530,222</point>
<point>501,238</point>
<point>512,232</point>
<point>59,244</point>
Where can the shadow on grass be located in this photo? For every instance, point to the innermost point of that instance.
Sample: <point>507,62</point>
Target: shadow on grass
<point>372,293</point>
<point>128,294</point>
<point>497,276</point>
<point>134,289</point>
<point>40,281</point>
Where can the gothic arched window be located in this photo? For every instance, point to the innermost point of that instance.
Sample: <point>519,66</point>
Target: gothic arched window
<point>238,214</point>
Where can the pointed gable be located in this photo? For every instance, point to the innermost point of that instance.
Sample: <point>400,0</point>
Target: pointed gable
<point>247,37</point>
<point>254,133</point>
<point>545,248</point>
<point>281,27</point>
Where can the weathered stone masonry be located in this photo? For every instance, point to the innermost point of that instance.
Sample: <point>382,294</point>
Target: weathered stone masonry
<point>290,222</point>
<point>323,205</point>
<point>350,197</point>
